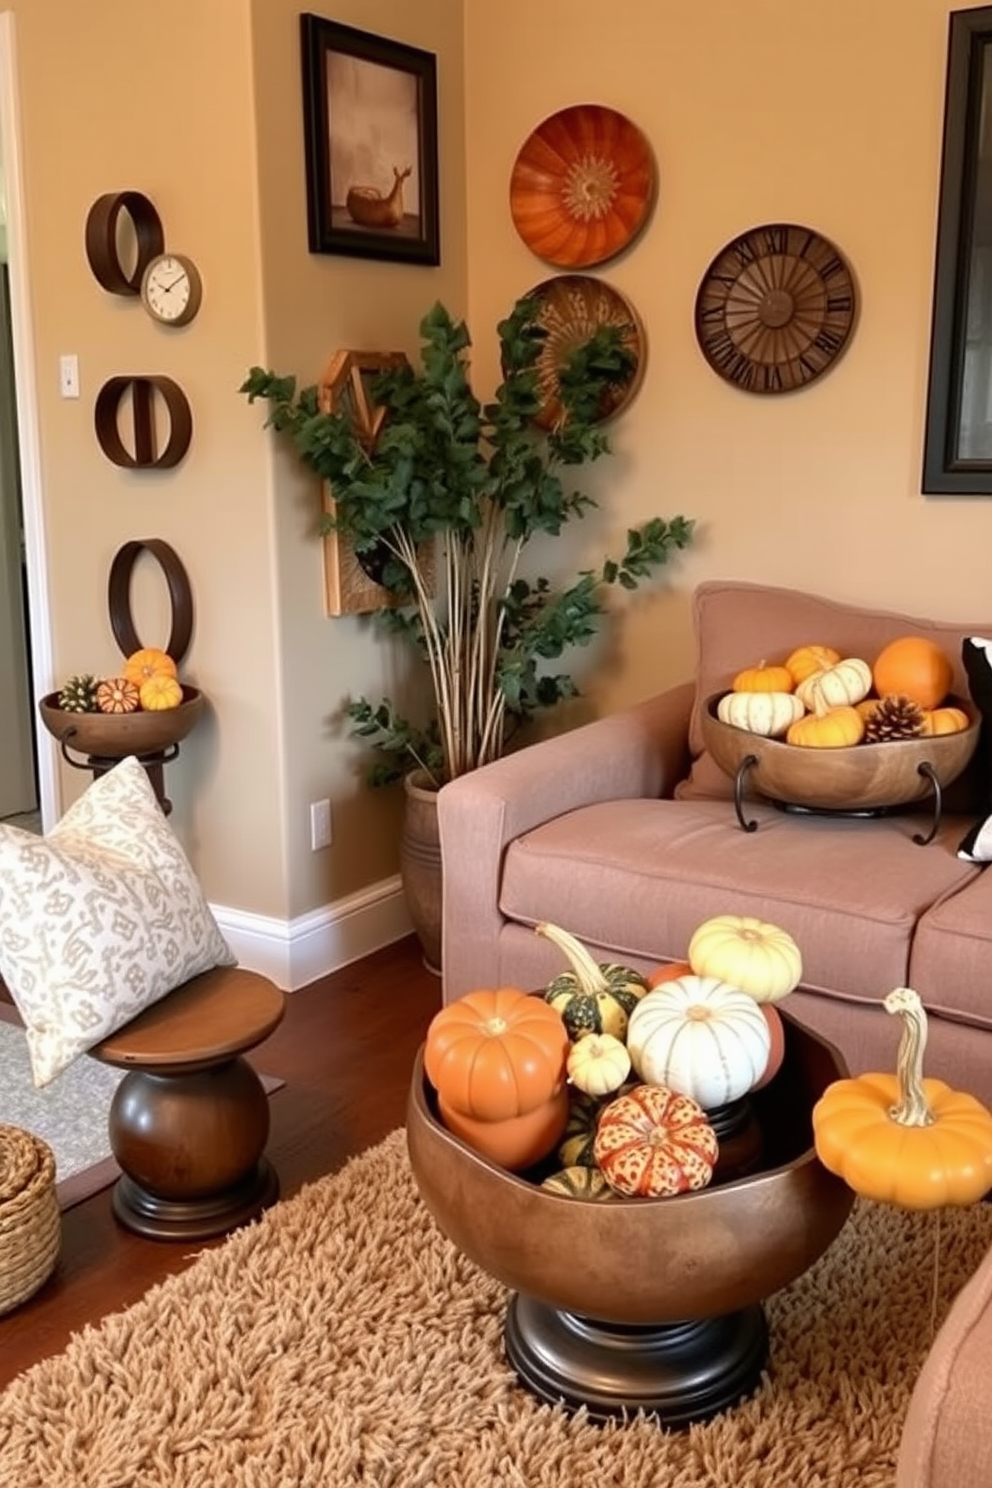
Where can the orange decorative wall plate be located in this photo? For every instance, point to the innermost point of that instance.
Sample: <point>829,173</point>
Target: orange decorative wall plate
<point>582,186</point>
<point>346,387</point>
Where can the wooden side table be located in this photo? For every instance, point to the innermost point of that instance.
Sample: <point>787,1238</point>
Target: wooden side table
<point>190,1119</point>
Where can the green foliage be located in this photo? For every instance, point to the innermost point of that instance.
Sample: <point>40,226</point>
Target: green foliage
<point>475,484</point>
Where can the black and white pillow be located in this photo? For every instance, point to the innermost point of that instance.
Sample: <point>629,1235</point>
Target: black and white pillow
<point>976,653</point>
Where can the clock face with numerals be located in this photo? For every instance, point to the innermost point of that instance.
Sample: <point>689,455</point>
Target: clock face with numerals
<point>775,308</point>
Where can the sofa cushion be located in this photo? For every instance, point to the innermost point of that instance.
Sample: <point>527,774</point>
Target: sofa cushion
<point>638,876</point>
<point>951,961</point>
<point>738,623</point>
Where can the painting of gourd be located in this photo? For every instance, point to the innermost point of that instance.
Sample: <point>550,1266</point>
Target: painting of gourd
<point>374,150</point>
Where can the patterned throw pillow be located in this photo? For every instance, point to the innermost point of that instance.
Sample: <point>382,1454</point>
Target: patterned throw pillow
<point>976,653</point>
<point>99,919</point>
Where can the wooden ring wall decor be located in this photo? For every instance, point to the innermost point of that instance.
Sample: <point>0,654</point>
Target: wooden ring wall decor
<point>143,390</point>
<point>775,308</point>
<point>180,596</point>
<point>102,249</point>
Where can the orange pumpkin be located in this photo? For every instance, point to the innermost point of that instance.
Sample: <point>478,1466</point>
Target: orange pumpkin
<point>764,678</point>
<point>805,660</point>
<point>835,728</point>
<point>670,972</point>
<point>916,667</point>
<point>495,1054</point>
<point>777,1052</point>
<point>117,695</point>
<point>653,1141</point>
<point>148,662</point>
<point>945,721</point>
<point>517,1143</point>
<point>160,692</point>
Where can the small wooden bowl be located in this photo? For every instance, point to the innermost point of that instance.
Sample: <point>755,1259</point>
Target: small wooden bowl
<point>114,735</point>
<point>861,777</point>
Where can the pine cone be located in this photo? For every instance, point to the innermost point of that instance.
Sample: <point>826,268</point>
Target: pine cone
<point>894,717</point>
<point>78,694</point>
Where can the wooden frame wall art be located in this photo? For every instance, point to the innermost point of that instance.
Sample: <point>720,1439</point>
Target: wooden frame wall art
<point>370,134</point>
<point>957,456</point>
<point>346,387</point>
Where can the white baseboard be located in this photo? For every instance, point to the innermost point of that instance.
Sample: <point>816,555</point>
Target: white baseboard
<point>295,952</point>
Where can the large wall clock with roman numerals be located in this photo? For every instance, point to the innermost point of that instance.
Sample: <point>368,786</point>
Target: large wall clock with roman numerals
<point>775,308</point>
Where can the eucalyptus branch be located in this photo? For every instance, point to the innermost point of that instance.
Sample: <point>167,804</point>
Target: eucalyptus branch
<point>479,481</point>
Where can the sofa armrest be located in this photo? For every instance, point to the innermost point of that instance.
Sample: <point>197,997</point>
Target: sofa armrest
<point>947,1440</point>
<point>640,751</point>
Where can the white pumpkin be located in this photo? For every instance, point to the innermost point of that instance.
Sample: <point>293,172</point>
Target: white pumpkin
<point>598,1063</point>
<point>701,1037</point>
<point>767,713</point>
<point>761,959</point>
<point>838,686</point>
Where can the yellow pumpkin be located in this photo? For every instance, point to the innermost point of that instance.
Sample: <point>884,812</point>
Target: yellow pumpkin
<point>805,660</point>
<point>761,959</point>
<point>835,728</point>
<point>902,1139</point>
<point>117,695</point>
<point>838,686</point>
<point>944,721</point>
<point>160,692</point>
<point>915,666</point>
<point>763,678</point>
<point>148,662</point>
<point>598,1064</point>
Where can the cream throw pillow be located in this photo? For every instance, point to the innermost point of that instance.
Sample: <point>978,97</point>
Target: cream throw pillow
<point>99,919</point>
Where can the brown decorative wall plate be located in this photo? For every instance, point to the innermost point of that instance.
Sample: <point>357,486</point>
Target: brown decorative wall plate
<point>582,186</point>
<point>572,308</point>
<point>775,308</point>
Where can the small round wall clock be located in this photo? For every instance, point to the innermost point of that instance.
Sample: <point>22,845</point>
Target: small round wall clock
<point>775,308</point>
<point>171,289</point>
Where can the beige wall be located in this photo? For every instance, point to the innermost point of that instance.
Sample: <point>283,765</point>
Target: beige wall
<point>774,110</point>
<point>767,111</point>
<point>204,116</point>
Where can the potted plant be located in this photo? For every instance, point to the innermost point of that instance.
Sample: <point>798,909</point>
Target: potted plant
<point>472,484</point>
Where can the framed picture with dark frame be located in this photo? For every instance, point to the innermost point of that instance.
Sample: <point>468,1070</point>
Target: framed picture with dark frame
<point>370,130</point>
<point>957,457</point>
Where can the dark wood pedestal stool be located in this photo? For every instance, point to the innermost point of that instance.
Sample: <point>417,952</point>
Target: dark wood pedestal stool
<point>190,1119</point>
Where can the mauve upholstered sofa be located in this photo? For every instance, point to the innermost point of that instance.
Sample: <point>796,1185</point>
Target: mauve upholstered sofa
<point>624,832</point>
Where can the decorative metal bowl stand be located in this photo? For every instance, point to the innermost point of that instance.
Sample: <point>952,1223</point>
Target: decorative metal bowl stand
<point>103,739</point>
<point>861,780</point>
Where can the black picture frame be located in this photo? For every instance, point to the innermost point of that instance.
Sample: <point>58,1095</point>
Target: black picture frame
<point>370,132</point>
<point>957,455</point>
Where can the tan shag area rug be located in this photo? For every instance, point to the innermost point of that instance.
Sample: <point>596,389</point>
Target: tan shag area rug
<point>343,1341</point>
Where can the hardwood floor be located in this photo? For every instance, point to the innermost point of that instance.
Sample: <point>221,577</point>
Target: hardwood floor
<point>345,1050</point>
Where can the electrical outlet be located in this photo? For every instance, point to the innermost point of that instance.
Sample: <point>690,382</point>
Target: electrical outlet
<point>320,825</point>
<point>69,375</point>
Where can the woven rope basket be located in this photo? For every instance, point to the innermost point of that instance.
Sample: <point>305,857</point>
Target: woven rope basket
<point>30,1223</point>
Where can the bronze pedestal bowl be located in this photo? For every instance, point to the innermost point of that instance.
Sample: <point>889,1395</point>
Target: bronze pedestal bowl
<point>650,1304</point>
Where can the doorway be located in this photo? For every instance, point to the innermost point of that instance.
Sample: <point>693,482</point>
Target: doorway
<point>18,782</point>
<point>24,608</point>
